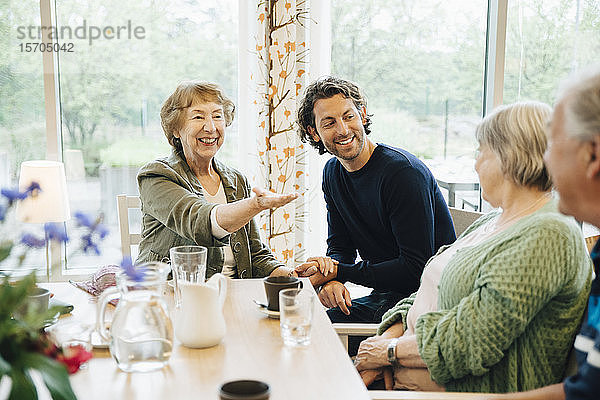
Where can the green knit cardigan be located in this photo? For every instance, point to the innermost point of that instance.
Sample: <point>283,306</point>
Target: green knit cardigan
<point>509,308</point>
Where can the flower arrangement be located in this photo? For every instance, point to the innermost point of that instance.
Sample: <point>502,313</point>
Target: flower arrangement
<point>24,346</point>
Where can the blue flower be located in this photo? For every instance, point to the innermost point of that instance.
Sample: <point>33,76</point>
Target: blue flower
<point>94,225</point>
<point>102,231</point>
<point>84,220</point>
<point>3,211</point>
<point>32,241</point>
<point>14,194</point>
<point>133,273</point>
<point>33,186</point>
<point>89,245</point>
<point>56,231</point>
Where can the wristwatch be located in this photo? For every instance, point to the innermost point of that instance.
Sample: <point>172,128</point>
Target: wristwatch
<point>391,352</point>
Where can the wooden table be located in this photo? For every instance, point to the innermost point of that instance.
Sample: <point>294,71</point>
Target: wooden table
<point>251,349</point>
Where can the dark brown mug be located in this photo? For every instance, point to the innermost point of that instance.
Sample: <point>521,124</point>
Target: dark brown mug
<point>273,284</point>
<point>245,390</point>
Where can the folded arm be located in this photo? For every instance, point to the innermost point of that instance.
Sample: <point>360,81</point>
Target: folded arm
<point>499,309</point>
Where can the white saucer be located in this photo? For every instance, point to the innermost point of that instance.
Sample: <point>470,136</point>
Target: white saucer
<point>268,313</point>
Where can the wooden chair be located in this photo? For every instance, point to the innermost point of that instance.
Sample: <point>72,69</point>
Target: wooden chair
<point>128,239</point>
<point>590,242</point>
<point>462,219</point>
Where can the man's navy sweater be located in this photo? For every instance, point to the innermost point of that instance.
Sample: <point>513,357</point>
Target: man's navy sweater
<point>392,212</point>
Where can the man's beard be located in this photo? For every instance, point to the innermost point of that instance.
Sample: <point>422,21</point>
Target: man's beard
<point>359,137</point>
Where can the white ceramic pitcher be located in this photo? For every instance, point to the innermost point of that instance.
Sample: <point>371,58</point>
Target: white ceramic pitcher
<point>198,314</point>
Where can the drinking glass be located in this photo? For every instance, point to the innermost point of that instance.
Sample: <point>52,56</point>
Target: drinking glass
<point>296,308</point>
<point>73,337</point>
<point>189,265</point>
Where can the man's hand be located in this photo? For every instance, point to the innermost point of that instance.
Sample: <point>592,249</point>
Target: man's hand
<point>334,294</point>
<point>371,375</point>
<point>372,354</point>
<point>317,279</point>
<point>325,265</point>
<point>265,199</point>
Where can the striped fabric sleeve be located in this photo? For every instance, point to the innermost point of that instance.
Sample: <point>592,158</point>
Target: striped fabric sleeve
<point>585,385</point>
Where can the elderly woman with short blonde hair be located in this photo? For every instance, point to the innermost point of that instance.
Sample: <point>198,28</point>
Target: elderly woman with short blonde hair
<point>498,309</point>
<point>190,198</point>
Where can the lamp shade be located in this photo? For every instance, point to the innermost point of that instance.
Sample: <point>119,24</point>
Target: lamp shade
<point>52,202</point>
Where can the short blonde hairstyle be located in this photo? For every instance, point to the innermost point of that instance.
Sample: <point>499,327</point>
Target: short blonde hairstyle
<point>172,113</point>
<point>516,133</point>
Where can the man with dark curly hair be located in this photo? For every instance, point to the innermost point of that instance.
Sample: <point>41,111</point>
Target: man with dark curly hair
<point>381,201</point>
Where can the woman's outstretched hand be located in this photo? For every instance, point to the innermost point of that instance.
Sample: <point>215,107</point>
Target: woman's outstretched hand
<point>267,199</point>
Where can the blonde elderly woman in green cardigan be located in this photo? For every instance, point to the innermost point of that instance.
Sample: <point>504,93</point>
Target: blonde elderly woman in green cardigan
<point>497,310</point>
<point>190,198</point>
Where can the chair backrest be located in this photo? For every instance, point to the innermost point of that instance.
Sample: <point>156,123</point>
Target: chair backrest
<point>590,241</point>
<point>462,219</point>
<point>128,239</point>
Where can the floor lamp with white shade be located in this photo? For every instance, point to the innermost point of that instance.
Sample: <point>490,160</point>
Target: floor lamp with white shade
<point>51,203</point>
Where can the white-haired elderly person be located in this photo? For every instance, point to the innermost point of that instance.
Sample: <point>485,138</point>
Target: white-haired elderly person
<point>190,198</point>
<point>498,309</point>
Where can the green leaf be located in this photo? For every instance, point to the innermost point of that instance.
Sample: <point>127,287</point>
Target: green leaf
<point>22,386</point>
<point>54,374</point>
<point>5,249</point>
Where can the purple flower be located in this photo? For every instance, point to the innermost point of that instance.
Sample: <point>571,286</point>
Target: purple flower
<point>84,220</point>
<point>102,230</point>
<point>133,273</point>
<point>94,225</point>
<point>56,231</point>
<point>32,241</point>
<point>89,245</point>
<point>14,194</point>
<point>3,211</point>
<point>32,187</point>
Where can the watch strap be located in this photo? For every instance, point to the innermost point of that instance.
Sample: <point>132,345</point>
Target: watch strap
<point>391,352</point>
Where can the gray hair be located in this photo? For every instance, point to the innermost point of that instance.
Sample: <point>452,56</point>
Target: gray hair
<point>516,134</point>
<point>580,95</point>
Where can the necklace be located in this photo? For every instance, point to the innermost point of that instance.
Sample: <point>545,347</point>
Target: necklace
<point>494,226</point>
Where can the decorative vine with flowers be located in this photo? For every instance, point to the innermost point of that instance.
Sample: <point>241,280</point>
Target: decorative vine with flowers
<point>281,52</point>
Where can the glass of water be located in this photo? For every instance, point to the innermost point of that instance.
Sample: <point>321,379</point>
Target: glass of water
<point>296,307</point>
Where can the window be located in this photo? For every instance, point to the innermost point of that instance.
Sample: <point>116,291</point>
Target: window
<point>22,119</point>
<point>22,115</point>
<point>545,41</point>
<point>421,64</point>
<point>113,84</point>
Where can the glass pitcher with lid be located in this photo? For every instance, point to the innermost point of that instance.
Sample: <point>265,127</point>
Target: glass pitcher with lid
<point>141,333</point>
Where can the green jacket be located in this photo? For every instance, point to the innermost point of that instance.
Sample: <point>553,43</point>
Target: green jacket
<point>508,309</point>
<point>175,213</point>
